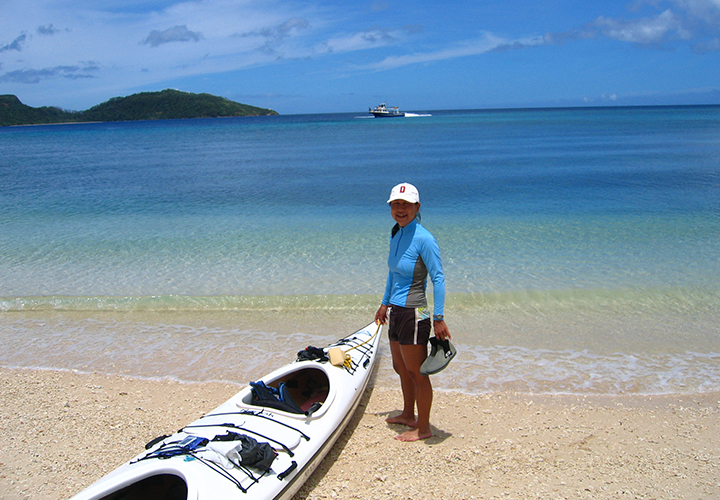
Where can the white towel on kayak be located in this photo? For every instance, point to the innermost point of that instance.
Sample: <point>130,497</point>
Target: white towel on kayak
<point>224,453</point>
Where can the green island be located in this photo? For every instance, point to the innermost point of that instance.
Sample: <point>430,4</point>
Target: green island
<point>165,105</point>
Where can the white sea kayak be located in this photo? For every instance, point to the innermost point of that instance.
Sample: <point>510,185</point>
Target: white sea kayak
<point>264,442</point>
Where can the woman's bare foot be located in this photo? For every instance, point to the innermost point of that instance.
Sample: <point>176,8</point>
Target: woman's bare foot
<point>403,420</point>
<point>413,435</point>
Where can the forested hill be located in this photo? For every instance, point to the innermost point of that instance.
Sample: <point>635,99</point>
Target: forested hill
<point>13,112</point>
<point>168,104</point>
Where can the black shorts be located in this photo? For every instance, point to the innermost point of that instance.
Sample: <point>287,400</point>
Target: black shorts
<point>409,326</point>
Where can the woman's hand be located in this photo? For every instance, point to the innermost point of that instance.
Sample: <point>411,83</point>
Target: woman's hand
<point>381,315</point>
<point>441,330</point>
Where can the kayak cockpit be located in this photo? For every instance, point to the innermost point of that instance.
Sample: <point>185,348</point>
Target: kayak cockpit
<point>157,487</point>
<point>300,391</point>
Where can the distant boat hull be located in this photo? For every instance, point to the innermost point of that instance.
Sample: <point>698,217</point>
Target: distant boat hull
<point>387,115</point>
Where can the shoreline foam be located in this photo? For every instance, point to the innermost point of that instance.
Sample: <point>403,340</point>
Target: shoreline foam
<point>526,350</point>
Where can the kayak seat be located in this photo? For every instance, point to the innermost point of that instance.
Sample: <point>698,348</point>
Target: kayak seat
<point>295,393</point>
<point>273,397</point>
<point>317,398</point>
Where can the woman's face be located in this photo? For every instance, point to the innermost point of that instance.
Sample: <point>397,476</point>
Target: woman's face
<point>404,212</point>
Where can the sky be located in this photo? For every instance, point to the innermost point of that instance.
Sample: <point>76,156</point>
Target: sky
<point>298,56</point>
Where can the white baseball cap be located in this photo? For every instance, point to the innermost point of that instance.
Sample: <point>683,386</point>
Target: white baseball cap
<point>406,192</point>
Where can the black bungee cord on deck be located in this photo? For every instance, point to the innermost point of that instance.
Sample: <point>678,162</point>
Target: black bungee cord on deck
<point>260,415</point>
<point>233,426</point>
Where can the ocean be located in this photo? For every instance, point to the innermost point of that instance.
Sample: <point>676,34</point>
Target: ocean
<point>581,246</point>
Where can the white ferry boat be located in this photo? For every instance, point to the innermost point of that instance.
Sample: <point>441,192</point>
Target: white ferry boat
<point>382,111</point>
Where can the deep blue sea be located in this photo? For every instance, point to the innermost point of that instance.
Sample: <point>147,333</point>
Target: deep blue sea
<point>581,246</point>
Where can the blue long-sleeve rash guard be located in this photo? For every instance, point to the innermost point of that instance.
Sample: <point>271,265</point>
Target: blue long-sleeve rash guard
<point>414,254</point>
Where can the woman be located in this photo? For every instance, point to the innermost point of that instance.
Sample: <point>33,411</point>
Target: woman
<point>414,254</point>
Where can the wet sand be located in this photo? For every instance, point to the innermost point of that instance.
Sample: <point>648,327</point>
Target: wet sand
<point>63,430</point>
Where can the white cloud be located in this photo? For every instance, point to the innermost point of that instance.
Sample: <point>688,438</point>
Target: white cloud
<point>47,30</point>
<point>119,44</point>
<point>272,37</point>
<point>487,43</point>
<point>16,44</point>
<point>174,34</point>
<point>706,11</point>
<point>653,30</point>
<point>368,39</point>
<point>695,22</point>
<point>124,42</point>
<point>37,75</point>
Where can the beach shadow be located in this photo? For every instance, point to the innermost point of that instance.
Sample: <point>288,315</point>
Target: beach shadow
<point>322,469</point>
<point>437,437</point>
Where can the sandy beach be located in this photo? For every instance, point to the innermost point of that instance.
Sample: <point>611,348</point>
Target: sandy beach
<point>63,430</point>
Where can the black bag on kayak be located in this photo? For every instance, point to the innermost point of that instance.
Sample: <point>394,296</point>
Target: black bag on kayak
<point>254,454</point>
<point>270,397</point>
<point>311,353</point>
<point>251,453</point>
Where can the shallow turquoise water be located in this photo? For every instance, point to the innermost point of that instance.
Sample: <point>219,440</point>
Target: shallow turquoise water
<point>580,245</point>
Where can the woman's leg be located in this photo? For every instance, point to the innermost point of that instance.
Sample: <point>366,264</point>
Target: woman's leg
<point>413,357</point>
<point>407,417</point>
